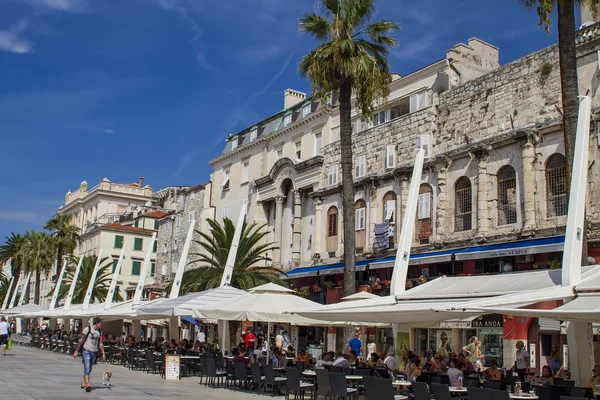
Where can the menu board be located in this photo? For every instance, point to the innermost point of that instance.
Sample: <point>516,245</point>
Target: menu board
<point>172,363</point>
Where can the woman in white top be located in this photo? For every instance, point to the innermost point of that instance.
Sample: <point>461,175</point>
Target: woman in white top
<point>521,365</point>
<point>4,335</point>
<point>371,347</point>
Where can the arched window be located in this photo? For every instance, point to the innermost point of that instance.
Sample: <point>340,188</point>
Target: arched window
<point>464,205</point>
<point>360,225</point>
<point>389,216</point>
<point>557,201</point>
<point>424,227</point>
<point>332,229</point>
<point>507,195</point>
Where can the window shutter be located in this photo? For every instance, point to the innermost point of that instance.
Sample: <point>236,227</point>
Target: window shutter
<point>423,99</point>
<point>424,206</point>
<point>424,143</point>
<point>414,102</point>
<point>389,209</point>
<point>390,157</point>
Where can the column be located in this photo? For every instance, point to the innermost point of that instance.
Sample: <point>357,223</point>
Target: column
<point>456,340</point>
<point>529,189</point>
<point>440,210</point>
<point>579,340</point>
<point>265,161</point>
<point>137,329</point>
<point>278,220</point>
<point>483,215</point>
<point>317,234</point>
<point>297,234</point>
<point>174,328</point>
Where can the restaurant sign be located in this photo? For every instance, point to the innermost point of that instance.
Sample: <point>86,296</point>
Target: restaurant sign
<point>483,321</point>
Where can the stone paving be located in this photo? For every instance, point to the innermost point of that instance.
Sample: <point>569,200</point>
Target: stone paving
<point>34,374</point>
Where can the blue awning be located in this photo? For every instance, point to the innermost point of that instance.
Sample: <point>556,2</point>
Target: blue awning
<point>190,319</point>
<point>516,248</point>
<point>417,259</point>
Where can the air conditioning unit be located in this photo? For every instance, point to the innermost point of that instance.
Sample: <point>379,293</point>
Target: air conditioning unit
<point>524,259</point>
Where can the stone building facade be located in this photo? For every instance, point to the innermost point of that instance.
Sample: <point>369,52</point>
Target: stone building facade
<point>285,167</point>
<point>190,203</point>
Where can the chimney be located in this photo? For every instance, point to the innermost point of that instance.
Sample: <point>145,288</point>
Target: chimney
<point>141,181</point>
<point>292,97</point>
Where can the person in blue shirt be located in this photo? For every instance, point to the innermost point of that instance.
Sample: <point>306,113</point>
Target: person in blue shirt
<point>355,344</point>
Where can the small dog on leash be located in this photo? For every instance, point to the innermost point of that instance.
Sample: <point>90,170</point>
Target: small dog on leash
<point>106,378</point>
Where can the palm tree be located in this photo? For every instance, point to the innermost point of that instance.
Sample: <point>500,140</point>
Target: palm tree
<point>567,63</point>
<point>101,286</point>
<point>66,236</point>
<point>246,271</point>
<point>4,284</point>
<point>38,257</point>
<point>11,249</point>
<point>351,58</point>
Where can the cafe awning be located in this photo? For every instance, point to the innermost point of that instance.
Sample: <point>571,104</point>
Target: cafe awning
<point>510,249</point>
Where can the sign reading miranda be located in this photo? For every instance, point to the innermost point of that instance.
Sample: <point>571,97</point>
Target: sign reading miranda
<point>488,321</point>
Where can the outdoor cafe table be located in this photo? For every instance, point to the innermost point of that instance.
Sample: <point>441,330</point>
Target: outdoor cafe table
<point>454,389</point>
<point>402,383</point>
<point>524,396</point>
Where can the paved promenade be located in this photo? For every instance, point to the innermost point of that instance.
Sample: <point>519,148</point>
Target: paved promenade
<point>34,374</point>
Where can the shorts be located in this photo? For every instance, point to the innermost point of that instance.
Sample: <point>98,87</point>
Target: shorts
<point>89,358</point>
<point>3,340</point>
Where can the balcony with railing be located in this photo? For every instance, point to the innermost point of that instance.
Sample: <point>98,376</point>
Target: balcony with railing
<point>587,34</point>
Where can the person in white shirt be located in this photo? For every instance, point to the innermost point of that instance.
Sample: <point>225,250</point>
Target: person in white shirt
<point>4,334</point>
<point>340,360</point>
<point>390,361</point>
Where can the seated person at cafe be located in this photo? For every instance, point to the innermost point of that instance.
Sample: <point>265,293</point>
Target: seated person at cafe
<point>281,360</point>
<point>375,361</point>
<point>469,367</point>
<point>404,363</point>
<point>353,359</point>
<point>340,360</point>
<point>327,360</point>
<point>174,344</point>
<point>390,361</point>
<point>241,356</point>
<point>414,369</point>
<point>493,373</point>
<point>290,351</point>
<point>456,369</point>
<point>439,365</point>
<point>303,356</point>
<point>546,379</point>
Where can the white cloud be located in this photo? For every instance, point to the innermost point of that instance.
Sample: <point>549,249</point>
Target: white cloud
<point>417,47</point>
<point>20,216</point>
<point>109,131</point>
<point>11,40</point>
<point>70,6</point>
<point>14,44</point>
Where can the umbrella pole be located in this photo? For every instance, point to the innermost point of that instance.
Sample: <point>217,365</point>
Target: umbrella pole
<point>268,339</point>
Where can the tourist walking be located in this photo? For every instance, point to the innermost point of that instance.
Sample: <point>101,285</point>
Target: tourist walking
<point>521,364</point>
<point>89,345</point>
<point>4,334</point>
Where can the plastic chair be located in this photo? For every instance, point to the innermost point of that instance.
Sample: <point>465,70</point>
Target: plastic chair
<point>294,384</point>
<point>475,393</point>
<point>581,392</point>
<point>257,378</point>
<point>441,379</point>
<point>213,376</point>
<point>498,394</point>
<point>272,381</point>
<point>378,389</point>
<point>240,372</point>
<point>470,382</point>
<point>573,398</point>
<point>495,385</point>
<point>420,391</point>
<point>323,387</point>
<point>338,388</point>
<point>442,392</point>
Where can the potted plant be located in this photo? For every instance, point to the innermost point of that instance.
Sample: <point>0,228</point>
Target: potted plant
<point>422,279</point>
<point>376,285</point>
<point>316,288</point>
<point>303,291</point>
<point>409,284</point>
<point>554,264</point>
<point>329,284</point>
<point>340,283</point>
<point>387,283</point>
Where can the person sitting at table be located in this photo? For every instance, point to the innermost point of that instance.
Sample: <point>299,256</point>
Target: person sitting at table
<point>404,362</point>
<point>326,360</point>
<point>493,373</point>
<point>546,378</point>
<point>375,361</point>
<point>455,370</point>
<point>241,356</point>
<point>469,367</point>
<point>290,351</point>
<point>390,361</point>
<point>428,363</point>
<point>353,360</point>
<point>414,369</point>
<point>340,360</point>
<point>303,357</point>
<point>112,340</point>
<point>439,365</point>
<point>281,360</point>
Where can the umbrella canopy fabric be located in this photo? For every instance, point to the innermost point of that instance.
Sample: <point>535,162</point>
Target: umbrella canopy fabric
<point>184,305</point>
<point>266,303</point>
<point>25,310</point>
<point>360,296</point>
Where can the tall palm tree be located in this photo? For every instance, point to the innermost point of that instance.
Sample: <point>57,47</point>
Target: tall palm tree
<point>351,59</point>
<point>11,249</point>
<point>4,284</point>
<point>101,286</point>
<point>247,272</point>
<point>38,257</point>
<point>567,63</point>
<point>66,236</point>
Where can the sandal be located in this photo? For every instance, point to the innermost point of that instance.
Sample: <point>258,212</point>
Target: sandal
<point>88,389</point>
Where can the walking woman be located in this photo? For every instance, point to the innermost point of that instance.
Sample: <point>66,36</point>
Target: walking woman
<point>4,334</point>
<point>521,365</point>
<point>90,343</point>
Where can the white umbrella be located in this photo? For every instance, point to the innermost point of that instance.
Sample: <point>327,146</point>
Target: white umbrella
<point>360,296</point>
<point>184,305</point>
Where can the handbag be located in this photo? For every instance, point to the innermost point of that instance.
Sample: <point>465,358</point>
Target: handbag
<point>9,344</point>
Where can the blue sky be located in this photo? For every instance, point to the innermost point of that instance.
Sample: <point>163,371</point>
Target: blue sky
<point>123,88</point>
